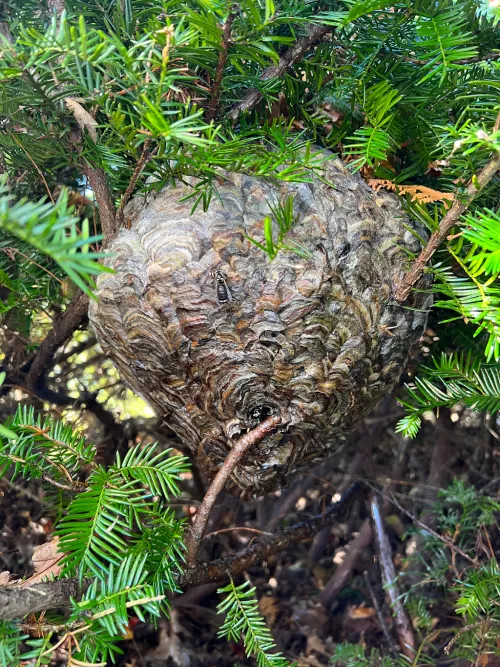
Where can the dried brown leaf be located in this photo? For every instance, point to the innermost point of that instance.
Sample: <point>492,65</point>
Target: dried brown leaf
<point>45,559</point>
<point>4,578</point>
<point>417,192</point>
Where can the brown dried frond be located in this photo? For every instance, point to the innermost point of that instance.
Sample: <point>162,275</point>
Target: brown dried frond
<point>417,192</point>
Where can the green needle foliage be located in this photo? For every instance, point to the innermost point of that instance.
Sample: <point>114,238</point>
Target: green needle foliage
<point>52,230</point>
<point>243,620</point>
<point>466,515</point>
<point>454,378</point>
<point>285,220</point>
<point>118,533</point>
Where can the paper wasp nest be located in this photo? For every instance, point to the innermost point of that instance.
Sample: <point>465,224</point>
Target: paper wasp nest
<point>216,337</point>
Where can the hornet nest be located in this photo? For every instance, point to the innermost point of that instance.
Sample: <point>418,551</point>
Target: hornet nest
<point>216,337</point>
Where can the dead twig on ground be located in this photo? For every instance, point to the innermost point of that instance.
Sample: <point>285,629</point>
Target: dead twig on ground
<point>402,622</point>
<point>231,461</point>
<point>380,615</point>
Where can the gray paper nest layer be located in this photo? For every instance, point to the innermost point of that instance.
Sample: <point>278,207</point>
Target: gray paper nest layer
<point>319,341</point>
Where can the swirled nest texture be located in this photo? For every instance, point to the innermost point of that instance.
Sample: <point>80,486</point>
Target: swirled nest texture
<point>318,340</point>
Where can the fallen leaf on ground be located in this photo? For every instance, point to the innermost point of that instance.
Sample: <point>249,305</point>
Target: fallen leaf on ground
<point>45,558</point>
<point>269,609</point>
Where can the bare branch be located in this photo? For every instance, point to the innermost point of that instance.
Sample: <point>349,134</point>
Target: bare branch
<point>294,53</point>
<point>264,547</point>
<point>380,615</point>
<point>16,602</point>
<point>99,184</point>
<point>226,40</point>
<point>146,156</point>
<point>98,181</point>
<point>73,317</point>
<point>231,461</point>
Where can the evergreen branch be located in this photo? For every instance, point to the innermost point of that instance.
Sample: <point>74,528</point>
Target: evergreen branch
<point>37,168</point>
<point>52,230</point>
<point>243,619</point>
<point>158,471</point>
<point>455,378</point>
<point>42,449</point>
<point>476,184</point>
<point>108,601</point>
<point>235,455</point>
<point>74,486</point>
<point>213,571</point>
<point>294,53</point>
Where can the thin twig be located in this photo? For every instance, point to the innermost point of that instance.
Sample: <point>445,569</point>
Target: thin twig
<point>450,220</point>
<point>380,615</point>
<point>449,543</point>
<point>462,61</point>
<point>35,165</point>
<point>11,252</point>
<point>226,40</point>
<point>230,462</point>
<point>486,623</point>
<point>146,156</point>
<point>246,529</point>
<point>294,53</point>
<point>402,622</point>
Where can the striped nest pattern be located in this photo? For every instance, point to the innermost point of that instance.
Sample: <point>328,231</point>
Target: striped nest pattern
<point>318,340</point>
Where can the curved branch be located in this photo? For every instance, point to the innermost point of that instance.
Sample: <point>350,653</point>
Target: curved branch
<point>195,535</point>
<point>73,317</point>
